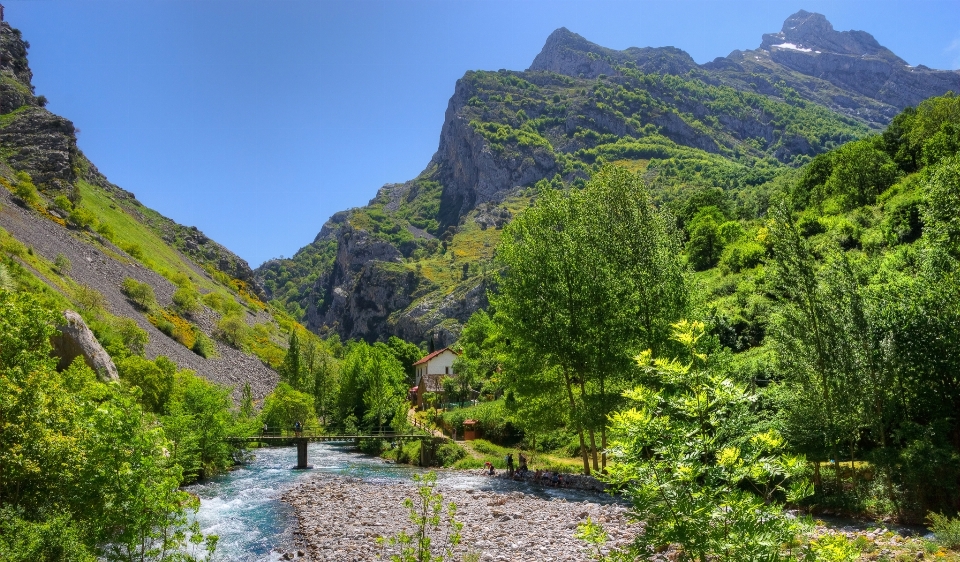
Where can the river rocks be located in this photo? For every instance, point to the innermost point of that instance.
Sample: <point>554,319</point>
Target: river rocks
<point>74,340</point>
<point>340,520</point>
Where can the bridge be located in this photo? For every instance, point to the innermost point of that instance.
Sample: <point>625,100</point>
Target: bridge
<point>301,439</point>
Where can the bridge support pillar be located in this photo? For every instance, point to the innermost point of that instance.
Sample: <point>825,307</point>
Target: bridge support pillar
<point>301,453</point>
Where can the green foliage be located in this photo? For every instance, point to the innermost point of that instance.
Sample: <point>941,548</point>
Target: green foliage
<point>436,532</point>
<point>141,294</point>
<point>61,203</point>
<point>65,439</point>
<point>187,300</point>
<point>692,473</point>
<point>371,384</point>
<point>233,331</point>
<point>946,530</point>
<point>82,218</point>
<point>154,378</point>
<point>599,266</point>
<point>62,263</point>
<point>25,190</point>
<point>285,406</point>
<point>197,420</point>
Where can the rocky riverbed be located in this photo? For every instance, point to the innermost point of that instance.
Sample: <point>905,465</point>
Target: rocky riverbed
<point>340,519</point>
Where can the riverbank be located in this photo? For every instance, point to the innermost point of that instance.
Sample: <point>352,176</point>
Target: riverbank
<point>340,519</point>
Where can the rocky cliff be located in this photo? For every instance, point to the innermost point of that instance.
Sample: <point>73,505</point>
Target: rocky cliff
<point>414,261</point>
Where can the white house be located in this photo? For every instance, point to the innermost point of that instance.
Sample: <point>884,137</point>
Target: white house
<point>431,370</point>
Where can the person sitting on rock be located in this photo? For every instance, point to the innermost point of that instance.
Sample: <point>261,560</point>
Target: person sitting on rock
<point>488,467</point>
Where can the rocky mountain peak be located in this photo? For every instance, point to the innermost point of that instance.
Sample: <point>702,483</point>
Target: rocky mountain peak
<point>811,32</point>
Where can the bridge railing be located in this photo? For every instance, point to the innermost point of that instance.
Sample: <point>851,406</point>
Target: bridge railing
<point>317,433</point>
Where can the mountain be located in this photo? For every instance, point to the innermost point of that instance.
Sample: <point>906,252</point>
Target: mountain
<point>414,262</point>
<point>69,234</point>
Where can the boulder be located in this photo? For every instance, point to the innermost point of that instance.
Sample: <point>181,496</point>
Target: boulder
<point>74,340</point>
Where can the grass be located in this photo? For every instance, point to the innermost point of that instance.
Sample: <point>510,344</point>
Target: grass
<point>130,233</point>
<point>480,451</point>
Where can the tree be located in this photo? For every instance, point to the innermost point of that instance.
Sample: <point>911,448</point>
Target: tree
<point>205,409</point>
<point>155,379</point>
<point>285,406</point>
<point>291,370</point>
<point>407,354</point>
<point>585,276</point>
<point>705,244</point>
<point>140,293</point>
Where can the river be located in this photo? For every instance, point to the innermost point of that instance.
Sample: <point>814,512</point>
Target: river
<point>243,506</point>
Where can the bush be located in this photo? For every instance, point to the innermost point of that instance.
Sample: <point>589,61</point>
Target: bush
<point>187,300</point>
<point>233,331</point>
<point>61,203</point>
<point>742,255</point>
<point>134,337</point>
<point>945,530</point>
<point>224,305</point>
<point>89,299</point>
<point>450,453</point>
<point>105,230</point>
<point>25,190</point>
<point>372,446</point>
<point>140,293</point>
<point>81,218</point>
<point>132,250</point>
<point>62,263</point>
<point>203,346</point>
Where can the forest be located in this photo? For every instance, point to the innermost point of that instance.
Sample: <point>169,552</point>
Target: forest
<point>718,357</point>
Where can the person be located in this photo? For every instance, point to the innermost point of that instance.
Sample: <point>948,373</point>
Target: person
<point>509,460</point>
<point>489,468</point>
<point>298,428</point>
<point>555,479</point>
<point>263,430</point>
<point>538,475</point>
<point>523,464</point>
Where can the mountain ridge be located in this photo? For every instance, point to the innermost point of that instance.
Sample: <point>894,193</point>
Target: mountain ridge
<point>735,121</point>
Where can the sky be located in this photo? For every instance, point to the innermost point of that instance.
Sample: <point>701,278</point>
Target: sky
<point>256,120</point>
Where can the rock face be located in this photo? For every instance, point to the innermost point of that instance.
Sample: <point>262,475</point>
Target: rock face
<point>368,287</point>
<point>854,61</point>
<point>470,172</point>
<point>74,340</point>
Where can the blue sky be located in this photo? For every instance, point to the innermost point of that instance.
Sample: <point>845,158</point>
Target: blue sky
<point>255,121</point>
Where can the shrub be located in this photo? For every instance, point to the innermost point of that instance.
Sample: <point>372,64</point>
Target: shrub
<point>140,293</point>
<point>233,331</point>
<point>81,218</point>
<point>89,299</point>
<point>224,305</point>
<point>105,230</point>
<point>133,336</point>
<point>203,346</point>
<point>742,255</point>
<point>25,190</point>
<point>61,203</point>
<point>62,264</point>
<point>133,250</point>
<point>945,530</point>
<point>450,453</point>
<point>187,300</point>
<point>372,446</point>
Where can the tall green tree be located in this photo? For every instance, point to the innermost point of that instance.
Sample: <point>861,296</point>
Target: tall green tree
<point>587,275</point>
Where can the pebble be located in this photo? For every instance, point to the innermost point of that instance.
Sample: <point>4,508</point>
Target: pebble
<point>340,519</point>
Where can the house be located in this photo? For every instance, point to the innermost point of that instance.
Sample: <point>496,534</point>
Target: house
<point>430,372</point>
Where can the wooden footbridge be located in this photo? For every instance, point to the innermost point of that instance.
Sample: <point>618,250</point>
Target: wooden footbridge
<point>428,447</point>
